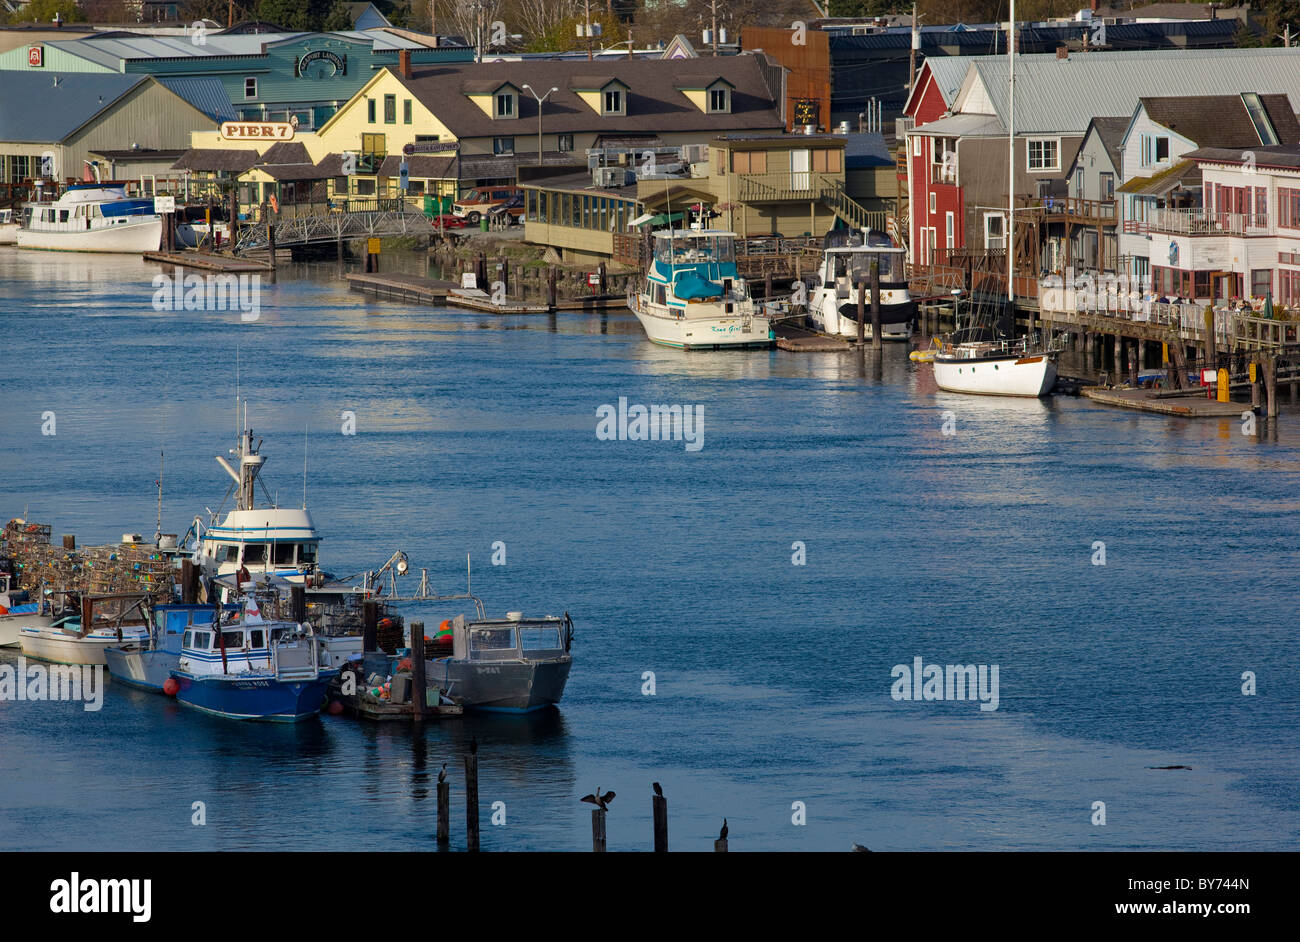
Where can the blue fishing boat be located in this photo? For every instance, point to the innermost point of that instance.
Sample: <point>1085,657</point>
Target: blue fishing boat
<point>148,664</point>
<point>252,669</point>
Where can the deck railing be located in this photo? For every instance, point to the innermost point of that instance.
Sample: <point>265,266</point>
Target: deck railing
<point>1199,221</point>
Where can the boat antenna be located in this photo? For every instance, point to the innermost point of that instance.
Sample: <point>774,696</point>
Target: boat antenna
<point>157,537</point>
<point>1011,160</point>
<point>467,583</point>
<point>304,466</point>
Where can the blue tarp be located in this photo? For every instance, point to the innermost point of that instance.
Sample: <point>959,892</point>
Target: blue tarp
<point>691,285</point>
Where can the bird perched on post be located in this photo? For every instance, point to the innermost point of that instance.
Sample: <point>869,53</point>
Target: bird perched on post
<point>722,835</point>
<point>658,790</point>
<point>442,776</point>
<point>599,800</point>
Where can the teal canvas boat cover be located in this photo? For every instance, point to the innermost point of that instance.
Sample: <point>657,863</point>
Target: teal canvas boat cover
<point>691,285</point>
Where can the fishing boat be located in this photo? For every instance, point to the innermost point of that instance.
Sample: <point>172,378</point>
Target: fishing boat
<point>847,259</point>
<point>252,669</point>
<point>973,361</point>
<point>148,664</point>
<point>81,635</point>
<point>693,297</point>
<point>17,608</point>
<point>92,218</point>
<point>510,665</point>
<point>8,227</point>
<point>254,540</point>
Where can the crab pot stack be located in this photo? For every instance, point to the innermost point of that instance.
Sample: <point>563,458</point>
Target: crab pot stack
<point>101,570</point>
<point>129,568</point>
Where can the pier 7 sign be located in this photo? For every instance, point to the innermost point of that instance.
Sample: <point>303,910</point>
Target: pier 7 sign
<point>256,131</point>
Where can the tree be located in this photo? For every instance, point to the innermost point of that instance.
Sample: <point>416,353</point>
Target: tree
<point>44,11</point>
<point>338,19</point>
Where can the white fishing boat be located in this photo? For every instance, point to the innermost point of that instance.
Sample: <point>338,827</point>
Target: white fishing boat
<point>847,259</point>
<point>508,665</point>
<point>92,218</point>
<point>17,608</point>
<point>81,637</point>
<point>693,297</point>
<point>993,367</point>
<point>147,664</point>
<point>8,227</point>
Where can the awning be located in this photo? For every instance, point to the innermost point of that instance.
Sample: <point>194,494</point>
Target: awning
<point>1180,175</point>
<point>660,220</point>
<point>642,219</point>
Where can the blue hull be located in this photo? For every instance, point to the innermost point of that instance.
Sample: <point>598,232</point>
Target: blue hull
<point>262,698</point>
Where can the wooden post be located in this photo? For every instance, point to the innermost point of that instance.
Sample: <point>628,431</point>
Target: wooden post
<point>1209,337</point>
<point>70,543</point>
<point>1133,364</point>
<point>720,845</point>
<point>1119,356</point>
<point>505,273</point>
<point>550,288</point>
<point>604,281</point>
<point>234,217</point>
<point>270,242</point>
<point>444,813</point>
<point>767,287</point>
<point>877,340</point>
<point>862,314</point>
<point>298,603</point>
<point>417,672</point>
<point>189,578</point>
<point>1254,389</point>
<point>471,802</point>
<point>659,805</point>
<point>1270,384</point>
<point>369,626</point>
<point>598,830</point>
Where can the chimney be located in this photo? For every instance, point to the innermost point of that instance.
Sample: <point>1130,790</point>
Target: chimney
<point>1062,52</point>
<point>404,62</point>
<point>1093,5</point>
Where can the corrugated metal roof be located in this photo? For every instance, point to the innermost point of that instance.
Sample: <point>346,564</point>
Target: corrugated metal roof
<point>1061,96</point>
<point>110,50</point>
<point>964,125</point>
<point>35,109</point>
<point>206,94</point>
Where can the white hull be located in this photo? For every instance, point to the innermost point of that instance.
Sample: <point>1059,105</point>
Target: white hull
<point>9,233</point>
<point>690,333</point>
<point>9,625</point>
<point>825,311</point>
<point>1031,376</point>
<point>61,647</point>
<point>125,237</point>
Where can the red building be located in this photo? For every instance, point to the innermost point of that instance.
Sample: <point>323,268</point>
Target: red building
<point>936,206</point>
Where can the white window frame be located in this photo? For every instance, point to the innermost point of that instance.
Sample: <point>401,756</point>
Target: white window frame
<point>916,145</point>
<point>1029,162</point>
<point>949,230</point>
<point>621,101</point>
<point>509,99</point>
<point>726,100</point>
<point>1002,218</point>
<point>933,207</point>
<point>247,79</point>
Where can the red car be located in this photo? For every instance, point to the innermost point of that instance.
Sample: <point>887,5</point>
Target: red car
<point>448,221</point>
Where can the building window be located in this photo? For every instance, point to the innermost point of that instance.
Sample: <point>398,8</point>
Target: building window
<point>503,146</point>
<point>505,105</point>
<point>995,236</point>
<point>406,111</point>
<point>1261,282</point>
<point>718,100</point>
<point>1155,149</point>
<point>949,231</point>
<point>749,161</point>
<point>1288,208</point>
<point>829,160</point>
<point>1107,181</point>
<point>933,203</point>
<point>1044,154</point>
<point>370,110</point>
<point>916,145</point>
<point>425,138</point>
<point>390,109</point>
<point>613,101</point>
<point>250,88</point>
<point>1288,286</point>
<point>564,143</point>
<point>530,205</point>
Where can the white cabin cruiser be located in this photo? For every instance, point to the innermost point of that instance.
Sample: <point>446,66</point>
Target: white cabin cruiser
<point>846,263</point>
<point>92,218</point>
<point>693,297</point>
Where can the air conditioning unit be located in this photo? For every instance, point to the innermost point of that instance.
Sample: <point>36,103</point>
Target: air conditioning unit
<point>612,176</point>
<point>694,153</point>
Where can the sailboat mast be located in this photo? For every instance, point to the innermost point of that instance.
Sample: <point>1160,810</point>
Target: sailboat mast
<point>1011,156</point>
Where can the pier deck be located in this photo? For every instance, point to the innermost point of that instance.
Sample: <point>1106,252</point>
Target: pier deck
<point>804,340</point>
<point>402,287</point>
<point>206,261</point>
<point>1194,406</point>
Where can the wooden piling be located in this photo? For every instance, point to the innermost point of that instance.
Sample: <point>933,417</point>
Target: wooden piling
<point>1119,356</point>
<point>550,288</point>
<point>598,830</point>
<point>418,683</point>
<point>659,805</point>
<point>1133,364</point>
<point>189,579</point>
<point>767,287</point>
<point>70,542</point>
<point>720,845</point>
<point>471,802</point>
<point>602,278</point>
<point>444,813</point>
<point>298,603</point>
<point>369,626</point>
<point>1270,384</point>
<point>877,340</point>
<point>862,315</point>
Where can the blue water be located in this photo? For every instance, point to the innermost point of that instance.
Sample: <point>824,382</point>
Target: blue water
<point>772,680</point>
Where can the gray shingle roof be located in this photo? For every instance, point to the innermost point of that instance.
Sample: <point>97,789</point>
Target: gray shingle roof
<point>1222,120</point>
<point>216,159</point>
<point>33,108</point>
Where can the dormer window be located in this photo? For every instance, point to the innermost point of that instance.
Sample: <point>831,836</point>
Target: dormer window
<point>613,101</point>
<point>719,99</point>
<point>505,105</point>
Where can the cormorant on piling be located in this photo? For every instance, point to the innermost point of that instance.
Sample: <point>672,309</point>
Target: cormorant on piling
<point>722,835</point>
<point>442,776</point>
<point>658,791</point>
<point>599,800</point>
<point>861,849</point>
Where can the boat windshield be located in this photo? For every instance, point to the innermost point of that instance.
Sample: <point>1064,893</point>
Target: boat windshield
<point>540,638</point>
<point>695,249</point>
<point>857,265</point>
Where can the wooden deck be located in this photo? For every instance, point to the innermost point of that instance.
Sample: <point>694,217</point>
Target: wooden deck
<point>399,287</point>
<point>1193,406</point>
<point>804,340</point>
<point>206,261</point>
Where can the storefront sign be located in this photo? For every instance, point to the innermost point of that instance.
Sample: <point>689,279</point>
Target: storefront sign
<point>256,131</point>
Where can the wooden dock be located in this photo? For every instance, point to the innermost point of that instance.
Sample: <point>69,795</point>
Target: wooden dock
<point>206,261</point>
<point>397,287</point>
<point>803,340</point>
<point>476,299</point>
<point>1193,405</point>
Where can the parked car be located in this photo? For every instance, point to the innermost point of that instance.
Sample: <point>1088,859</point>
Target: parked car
<point>448,221</point>
<point>482,200</point>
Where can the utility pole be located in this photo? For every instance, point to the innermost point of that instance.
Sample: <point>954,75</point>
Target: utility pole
<point>586,26</point>
<point>713,5</point>
<point>916,44</point>
<point>1285,36</point>
<point>433,20</point>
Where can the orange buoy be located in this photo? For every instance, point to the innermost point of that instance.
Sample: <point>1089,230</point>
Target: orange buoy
<point>171,686</point>
<point>335,708</point>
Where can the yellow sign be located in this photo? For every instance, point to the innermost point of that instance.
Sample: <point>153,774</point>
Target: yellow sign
<point>372,246</point>
<point>1223,385</point>
<point>1252,371</point>
<point>256,131</point>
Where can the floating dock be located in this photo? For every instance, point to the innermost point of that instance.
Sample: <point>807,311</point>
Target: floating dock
<point>803,340</point>
<point>205,261</point>
<point>1192,405</point>
<point>403,287</point>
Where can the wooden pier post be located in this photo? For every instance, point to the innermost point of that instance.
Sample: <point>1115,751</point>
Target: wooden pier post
<point>1119,356</point>
<point>1270,384</point>
<point>444,813</point>
<point>1133,364</point>
<point>417,672</point>
<point>659,806</point>
<point>369,626</point>
<point>70,543</point>
<point>767,287</point>
<point>862,313</point>
<point>598,830</point>
<point>189,579</point>
<point>550,288</point>
<point>1090,348</point>
<point>471,799</point>
<point>234,218</point>
<point>720,845</point>
<point>1209,337</point>
<point>602,278</point>
<point>876,340</point>
<point>298,603</point>
<point>1254,386</point>
<point>504,264</point>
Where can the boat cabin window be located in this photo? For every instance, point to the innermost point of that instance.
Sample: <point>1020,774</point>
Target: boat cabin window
<point>540,638</point>
<point>284,554</point>
<point>232,554</point>
<point>307,553</point>
<point>256,638</point>
<point>492,642</point>
<point>232,639</point>
<point>698,250</point>
<point>187,640</point>
<point>255,553</point>
<point>202,639</point>
<point>853,265</point>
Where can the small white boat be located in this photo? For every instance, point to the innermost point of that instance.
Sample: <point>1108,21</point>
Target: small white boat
<point>114,620</point>
<point>995,368</point>
<point>8,228</point>
<point>17,609</point>
<point>846,263</point>
<point>92,218</point>
<point>693,297</point>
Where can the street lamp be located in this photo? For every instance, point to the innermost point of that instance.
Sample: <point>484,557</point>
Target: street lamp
<point>540,99</point>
